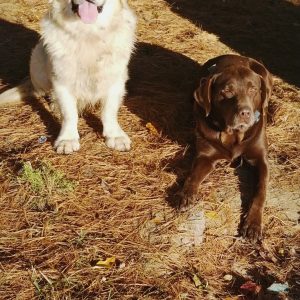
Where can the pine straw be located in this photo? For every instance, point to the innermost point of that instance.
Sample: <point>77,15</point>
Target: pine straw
<point>49,243</point>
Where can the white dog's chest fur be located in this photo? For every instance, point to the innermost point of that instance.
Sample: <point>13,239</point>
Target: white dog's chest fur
<point>89,61</point>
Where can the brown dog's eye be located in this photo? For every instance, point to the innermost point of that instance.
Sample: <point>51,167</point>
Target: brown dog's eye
<point>252,91</point>
<point>227,92</point>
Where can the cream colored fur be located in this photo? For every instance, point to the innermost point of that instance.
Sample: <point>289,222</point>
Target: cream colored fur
<point>82,64</point>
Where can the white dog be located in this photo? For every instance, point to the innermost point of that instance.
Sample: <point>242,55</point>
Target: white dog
<point>82,59</point>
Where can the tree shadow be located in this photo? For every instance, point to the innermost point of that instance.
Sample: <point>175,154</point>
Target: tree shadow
<point>160,90</point>
<point>267,30</point>
<point>16,44</point>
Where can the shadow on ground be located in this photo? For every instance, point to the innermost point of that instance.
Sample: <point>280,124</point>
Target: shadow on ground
<point>15,49</point>
<point>267,30</point>
<point>16,45</point>
<point>160,90</point>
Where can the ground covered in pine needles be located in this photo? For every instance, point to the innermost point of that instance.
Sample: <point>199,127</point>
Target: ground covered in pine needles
<point>98,224</point>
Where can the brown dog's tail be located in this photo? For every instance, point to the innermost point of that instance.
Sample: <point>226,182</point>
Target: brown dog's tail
<point>17,94</point>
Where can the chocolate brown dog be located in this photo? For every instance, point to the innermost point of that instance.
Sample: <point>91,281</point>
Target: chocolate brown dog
<point>230,112</point>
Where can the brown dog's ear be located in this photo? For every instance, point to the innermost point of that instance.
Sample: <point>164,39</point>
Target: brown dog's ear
<point>266,81</point>
<point>202,94</point>
<point>264,94</point>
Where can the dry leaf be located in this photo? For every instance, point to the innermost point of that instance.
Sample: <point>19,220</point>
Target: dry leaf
<point>108,263</point>
<point>251,287</point>
<point>211,214</point>
<point>228,277</point>
<point>152,129</point>
<point>197,281</point>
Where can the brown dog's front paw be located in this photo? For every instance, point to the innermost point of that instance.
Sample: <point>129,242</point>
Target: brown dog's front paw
<point>252,229</point>
<point>184,200</point>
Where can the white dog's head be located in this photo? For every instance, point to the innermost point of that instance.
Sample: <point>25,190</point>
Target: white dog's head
<point>85,10</point>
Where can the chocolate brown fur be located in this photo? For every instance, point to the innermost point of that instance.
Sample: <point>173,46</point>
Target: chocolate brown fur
<point>230,112</point>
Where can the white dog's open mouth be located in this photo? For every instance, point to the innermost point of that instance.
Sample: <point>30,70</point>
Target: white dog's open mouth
<point>87,11</point>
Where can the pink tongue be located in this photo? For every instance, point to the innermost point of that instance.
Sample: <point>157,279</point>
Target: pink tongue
<point>88,12</point>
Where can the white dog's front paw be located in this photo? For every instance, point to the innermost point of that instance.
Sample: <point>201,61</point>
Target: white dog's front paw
<point>66,146</point>
<point>120,143</point>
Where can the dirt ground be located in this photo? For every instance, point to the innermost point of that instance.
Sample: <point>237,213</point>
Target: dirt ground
<point>62,217</point>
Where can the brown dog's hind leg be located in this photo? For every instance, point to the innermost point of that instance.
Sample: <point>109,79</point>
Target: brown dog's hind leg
<point>202,166</point>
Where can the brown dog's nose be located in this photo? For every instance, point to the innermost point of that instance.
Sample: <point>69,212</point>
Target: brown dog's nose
<point>245,114</point>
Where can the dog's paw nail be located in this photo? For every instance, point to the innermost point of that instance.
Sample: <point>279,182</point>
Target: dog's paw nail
<point>121,143</point>
<point>182,207</point>
<point>184,201</point>
<point>66,146</point>
<point>244,232</point>
<point>252,232</point>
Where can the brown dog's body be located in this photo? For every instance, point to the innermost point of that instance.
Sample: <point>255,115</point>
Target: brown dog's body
<point>230,113</point>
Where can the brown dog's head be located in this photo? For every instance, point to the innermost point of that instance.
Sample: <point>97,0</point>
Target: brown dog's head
<point>234,97</point>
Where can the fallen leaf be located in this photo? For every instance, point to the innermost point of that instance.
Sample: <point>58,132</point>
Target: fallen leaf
<point>108,263</point>
<point>183,296</point>
<point>197,281</point>
<point>211,214</point>
<point>152,129</point>
<point>251,287</point>
<point>228,277</point>
<point>159,218</point>
<point>281,252</point>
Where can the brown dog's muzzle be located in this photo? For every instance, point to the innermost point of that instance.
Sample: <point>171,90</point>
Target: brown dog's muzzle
<point>243,120</point>
<point>245,115</point>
